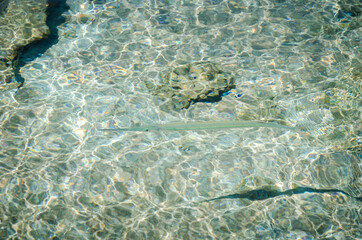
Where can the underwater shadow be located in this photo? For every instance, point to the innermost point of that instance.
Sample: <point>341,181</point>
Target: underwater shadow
<point>36,49</point>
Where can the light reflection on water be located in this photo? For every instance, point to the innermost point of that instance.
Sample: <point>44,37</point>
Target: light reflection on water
<point>295,63</point>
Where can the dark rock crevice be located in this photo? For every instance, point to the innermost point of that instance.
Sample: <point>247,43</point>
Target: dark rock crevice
<point>21,22</point>
<point>37,48</point>
<point>3,5</point>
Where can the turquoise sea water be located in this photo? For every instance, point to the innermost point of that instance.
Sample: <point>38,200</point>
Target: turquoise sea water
<point>294,62</point>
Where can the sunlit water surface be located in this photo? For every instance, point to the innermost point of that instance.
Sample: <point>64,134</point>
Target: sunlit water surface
<point>294,62</point>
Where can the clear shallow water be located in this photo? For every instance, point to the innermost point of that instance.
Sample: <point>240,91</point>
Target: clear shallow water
<point>296,63</point>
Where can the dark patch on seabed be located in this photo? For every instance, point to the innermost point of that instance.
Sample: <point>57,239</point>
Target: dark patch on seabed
<point>98,1</point>
<point>213,99</point>
<point>35,49</point>
<point>3,6</point>
<point>260,194</point>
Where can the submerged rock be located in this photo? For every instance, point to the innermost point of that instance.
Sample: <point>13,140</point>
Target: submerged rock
<point>3,6</point>
<point>21,23</point>
<point>196,82</point>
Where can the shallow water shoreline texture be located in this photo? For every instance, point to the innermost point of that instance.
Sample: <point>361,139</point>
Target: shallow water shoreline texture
<point>123,64</point>
<point>21,23</point>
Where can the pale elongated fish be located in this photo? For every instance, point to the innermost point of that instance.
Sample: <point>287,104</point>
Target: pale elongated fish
<point>187,126</point>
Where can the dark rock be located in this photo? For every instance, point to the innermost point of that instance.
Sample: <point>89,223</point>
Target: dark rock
<point>196,82</point>
<point>23,22</point>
